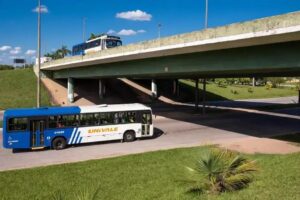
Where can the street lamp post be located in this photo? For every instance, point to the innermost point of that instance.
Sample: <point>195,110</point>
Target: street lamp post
<point>206,14</point>
<point>159,27</point>
<point>39,56</point>
<point>83,28</point>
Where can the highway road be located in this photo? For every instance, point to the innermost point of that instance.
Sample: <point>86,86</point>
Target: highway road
<point>173,130</point>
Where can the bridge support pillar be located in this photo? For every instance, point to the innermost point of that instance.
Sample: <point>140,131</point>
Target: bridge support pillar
<point>176,87</point>
<point>102,89</point>
<point>70,90</point>
<point>204,97</point>
<point>253,82</point>
<point>197,94</point>
<point>299,96</point>
<point>154,88</point>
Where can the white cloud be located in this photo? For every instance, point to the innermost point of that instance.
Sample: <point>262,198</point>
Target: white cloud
<point>137,15</point>
<point>111,31</point>
<point>127,32</point>
<point>15,51</point>
<point>141,31</point>
<point>130,32</point>
<point>30,52</point>
<point>44,9</point>
<point>5,48</point>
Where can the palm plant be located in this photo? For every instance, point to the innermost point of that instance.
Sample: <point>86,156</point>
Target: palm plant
<point>221,170</point>
<point>87,194</point>
<point>83,194</point>
<point>64,51</point>
<point>59,53</point>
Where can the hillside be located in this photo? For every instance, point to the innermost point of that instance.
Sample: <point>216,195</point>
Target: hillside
<point>18,89</point>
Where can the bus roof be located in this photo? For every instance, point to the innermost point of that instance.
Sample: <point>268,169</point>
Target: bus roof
<point>44,111</point>
<point>113,107</point>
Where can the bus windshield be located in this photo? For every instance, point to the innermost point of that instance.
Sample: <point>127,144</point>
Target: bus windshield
<point>113,43</point>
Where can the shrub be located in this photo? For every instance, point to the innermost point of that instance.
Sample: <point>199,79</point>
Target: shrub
<point>85,194</point>
<point>275,81</point>
<point>250,90</point>
<point>219,171</point>
<point>234,91</point>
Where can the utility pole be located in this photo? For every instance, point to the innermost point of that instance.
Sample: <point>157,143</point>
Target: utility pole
<point>38,103</point>
<point>83,28</point>
<point>159,27</point>
<point>206,14</point>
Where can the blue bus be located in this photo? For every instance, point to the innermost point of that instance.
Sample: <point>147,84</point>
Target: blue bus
<point>99,43</point>
<point>58,127</point>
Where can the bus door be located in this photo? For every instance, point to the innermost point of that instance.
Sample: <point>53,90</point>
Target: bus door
<point>37,128</point>
<point>146,122</point>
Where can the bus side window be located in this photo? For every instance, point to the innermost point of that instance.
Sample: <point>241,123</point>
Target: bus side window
<point>71,120</point>
<point>97,119</point>
<point>146,118</point>
<point>122,117</point>
<point>60,122</point>
<point>116,118</point>
<point>88,119</point>
<point>131,117</point>
<point>17,124</point>
<point>52,122</point>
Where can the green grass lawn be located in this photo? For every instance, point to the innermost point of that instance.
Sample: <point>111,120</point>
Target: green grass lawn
<point>18,89</point>
<point>154,175</point>
<point>214,92</point>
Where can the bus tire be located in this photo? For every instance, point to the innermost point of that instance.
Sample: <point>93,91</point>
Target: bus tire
<point>129,136</point>
<point>59,143</point>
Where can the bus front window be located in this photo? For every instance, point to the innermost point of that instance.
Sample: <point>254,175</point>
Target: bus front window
<point>113,43</point>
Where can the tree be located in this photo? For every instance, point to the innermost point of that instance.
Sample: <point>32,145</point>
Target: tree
<point>275,81</point>
<point>64,51</point>
<point>59,53</point>
<point>92,36</point>
<point>220,171</point>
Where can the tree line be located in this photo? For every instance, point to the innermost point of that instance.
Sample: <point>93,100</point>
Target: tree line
<point>59,53</point>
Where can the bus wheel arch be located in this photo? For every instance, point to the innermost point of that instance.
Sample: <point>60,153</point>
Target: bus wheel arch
<point>59,143</point>
<point>129,136</point>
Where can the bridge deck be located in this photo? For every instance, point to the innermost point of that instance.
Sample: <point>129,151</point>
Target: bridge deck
<point>270,30</point>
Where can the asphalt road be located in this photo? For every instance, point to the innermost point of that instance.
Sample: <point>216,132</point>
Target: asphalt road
<point>173,130</point>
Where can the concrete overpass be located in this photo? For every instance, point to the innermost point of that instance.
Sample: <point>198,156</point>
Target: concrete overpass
<point>263,47</point>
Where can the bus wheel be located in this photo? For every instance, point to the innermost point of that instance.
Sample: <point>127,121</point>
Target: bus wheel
<point>59,143</point>
<point>129,136</point>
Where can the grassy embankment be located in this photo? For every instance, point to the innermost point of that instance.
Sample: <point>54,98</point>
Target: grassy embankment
<point>234,92</point>
<point>18,89</point>
<point>154,175</point>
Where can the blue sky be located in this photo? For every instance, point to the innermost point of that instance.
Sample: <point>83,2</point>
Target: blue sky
<point>133,20</point>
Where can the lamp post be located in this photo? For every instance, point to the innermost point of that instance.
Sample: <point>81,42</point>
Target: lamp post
<point>83,28</point>
<point>206,14</point>
<point>159,27</point>
<point>39,56</point>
